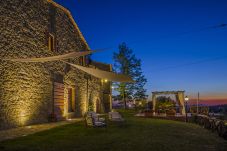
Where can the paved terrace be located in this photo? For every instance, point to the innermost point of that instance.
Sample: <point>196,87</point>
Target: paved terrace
<point>27,130</point>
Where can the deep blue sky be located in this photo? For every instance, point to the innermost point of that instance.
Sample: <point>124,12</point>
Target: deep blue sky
<point>162,33</point>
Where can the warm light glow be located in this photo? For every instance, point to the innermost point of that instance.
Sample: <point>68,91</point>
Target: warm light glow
<point>106,80</point>
<point>23,118</point>
<point>28,127</point>
<point>83,104</point>
<point>186,99</point>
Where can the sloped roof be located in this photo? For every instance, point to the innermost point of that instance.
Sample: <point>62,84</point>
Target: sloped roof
<point>67,12</point>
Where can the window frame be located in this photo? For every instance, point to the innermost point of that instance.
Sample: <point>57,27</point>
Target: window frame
<point>51,42</point>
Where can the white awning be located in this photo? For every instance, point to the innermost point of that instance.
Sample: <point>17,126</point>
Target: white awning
<point>52,58</point>
<point>111,76</point>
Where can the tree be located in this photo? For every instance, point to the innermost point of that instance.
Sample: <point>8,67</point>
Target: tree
<point>127,63</point>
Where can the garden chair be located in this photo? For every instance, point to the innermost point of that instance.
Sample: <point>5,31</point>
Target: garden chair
<point>92,122</point>
<point>95,116</point>
<point>115,116</point>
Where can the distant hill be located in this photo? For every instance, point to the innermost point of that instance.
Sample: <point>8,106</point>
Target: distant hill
<point>209,102</point>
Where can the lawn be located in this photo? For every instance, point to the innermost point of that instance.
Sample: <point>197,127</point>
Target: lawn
<point>136,134</point>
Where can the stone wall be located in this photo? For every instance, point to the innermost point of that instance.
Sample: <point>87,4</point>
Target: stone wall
<point>26,88</point>
<point>106,90</point>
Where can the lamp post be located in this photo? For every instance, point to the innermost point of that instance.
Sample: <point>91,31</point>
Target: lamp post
<point>186,106</point>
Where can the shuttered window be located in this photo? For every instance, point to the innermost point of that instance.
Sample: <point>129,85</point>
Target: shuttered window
<point>51,43</point>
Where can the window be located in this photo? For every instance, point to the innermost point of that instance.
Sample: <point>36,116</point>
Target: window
<point>87,60</point>
<point>81,60</point>
<point>51,42</point>
<point>71,100</point>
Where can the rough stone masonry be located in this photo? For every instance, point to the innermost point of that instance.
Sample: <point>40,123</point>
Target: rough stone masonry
<point>42,28</point>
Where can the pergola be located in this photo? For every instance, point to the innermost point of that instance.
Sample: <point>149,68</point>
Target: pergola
<point>179,98</point>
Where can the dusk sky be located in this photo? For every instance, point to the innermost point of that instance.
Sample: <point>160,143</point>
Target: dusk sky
<point>180,43</point>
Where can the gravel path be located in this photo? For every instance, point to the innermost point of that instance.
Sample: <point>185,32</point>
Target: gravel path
<point>27,130</point>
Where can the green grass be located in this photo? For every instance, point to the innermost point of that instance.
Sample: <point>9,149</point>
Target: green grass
<point>136,134</point>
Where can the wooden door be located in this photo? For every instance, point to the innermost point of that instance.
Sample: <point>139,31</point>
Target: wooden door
<point>59,100</point>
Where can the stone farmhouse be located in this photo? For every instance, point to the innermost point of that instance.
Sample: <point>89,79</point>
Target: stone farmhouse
<point>33,93</point>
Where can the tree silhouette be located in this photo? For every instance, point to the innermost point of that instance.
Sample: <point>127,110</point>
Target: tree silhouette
<point>127,63</point>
